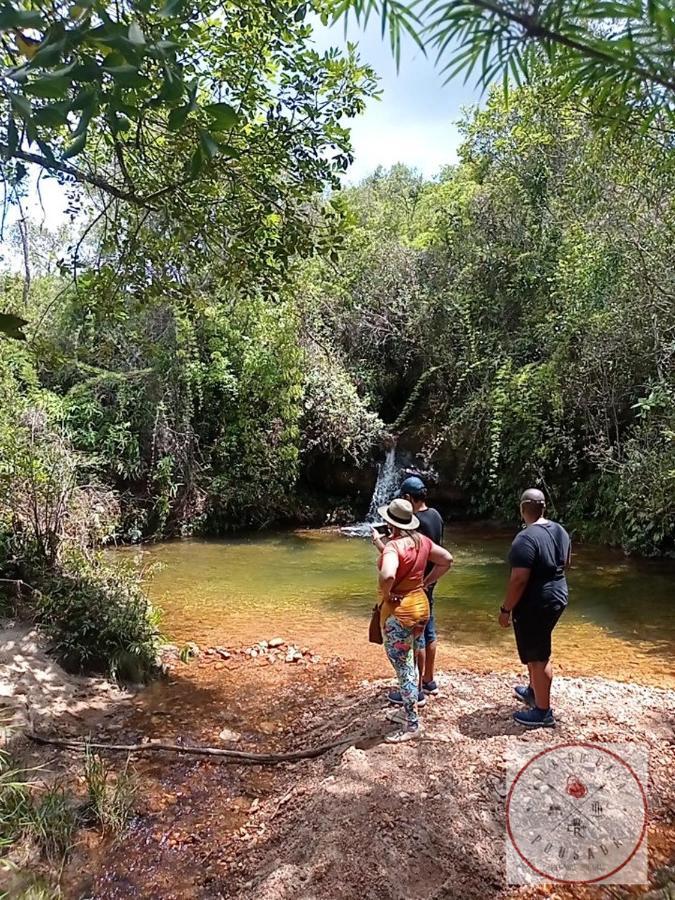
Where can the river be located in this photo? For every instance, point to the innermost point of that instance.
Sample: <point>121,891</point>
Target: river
<point>316,588</point>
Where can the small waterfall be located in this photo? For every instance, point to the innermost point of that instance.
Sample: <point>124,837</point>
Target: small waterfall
<point>386,488</point>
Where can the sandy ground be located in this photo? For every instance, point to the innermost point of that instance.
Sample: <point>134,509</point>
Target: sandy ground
<point>419,821</point>
<point>36,692</point>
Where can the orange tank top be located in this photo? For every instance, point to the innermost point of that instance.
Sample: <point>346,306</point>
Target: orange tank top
<point>413,607</point>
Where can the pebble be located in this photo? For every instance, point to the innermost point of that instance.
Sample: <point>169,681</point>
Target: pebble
<point>276,642</point>
<point>228,735</point>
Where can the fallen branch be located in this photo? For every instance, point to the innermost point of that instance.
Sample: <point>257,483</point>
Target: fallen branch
<point>234,756</point>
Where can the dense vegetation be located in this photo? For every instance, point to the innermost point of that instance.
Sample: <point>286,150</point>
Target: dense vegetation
<point>210,356</point>
<point>514,320</point>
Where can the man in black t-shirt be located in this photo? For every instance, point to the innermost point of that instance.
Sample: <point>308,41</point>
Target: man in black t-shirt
<point>537,597</point>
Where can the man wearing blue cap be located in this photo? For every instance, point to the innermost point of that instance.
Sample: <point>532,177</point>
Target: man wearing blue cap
<point>431,525</point>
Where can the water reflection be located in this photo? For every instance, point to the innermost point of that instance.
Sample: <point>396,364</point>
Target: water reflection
<point>319,586</point>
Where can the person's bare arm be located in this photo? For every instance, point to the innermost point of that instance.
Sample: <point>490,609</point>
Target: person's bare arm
<point>514,591</point>
<point>442,560</point>
<point>387,573</point>
<point>378,540</point>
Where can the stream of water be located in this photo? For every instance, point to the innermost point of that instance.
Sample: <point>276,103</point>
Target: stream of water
<point>318,587</point>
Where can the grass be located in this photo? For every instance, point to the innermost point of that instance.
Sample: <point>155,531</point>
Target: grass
<point>47,817</point>
<point>111,797</point>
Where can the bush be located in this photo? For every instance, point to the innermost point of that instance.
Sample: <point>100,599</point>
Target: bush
<point>99,619</point>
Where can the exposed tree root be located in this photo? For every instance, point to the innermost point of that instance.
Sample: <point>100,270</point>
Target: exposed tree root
<point>234,756</point>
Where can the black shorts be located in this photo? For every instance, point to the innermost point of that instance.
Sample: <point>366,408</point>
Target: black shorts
<point>533,629</point>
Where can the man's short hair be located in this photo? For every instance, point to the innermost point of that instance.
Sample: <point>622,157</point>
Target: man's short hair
<point>533,496</point>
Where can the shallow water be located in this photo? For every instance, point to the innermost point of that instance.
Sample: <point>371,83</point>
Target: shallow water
<point>317,588</point>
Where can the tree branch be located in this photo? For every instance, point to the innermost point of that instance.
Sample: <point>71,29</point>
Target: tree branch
<point>534,29</point>
<point>78,174</point>
<point>233,756</point>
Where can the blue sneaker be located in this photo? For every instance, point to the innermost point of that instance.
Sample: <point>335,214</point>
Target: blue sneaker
<point>535,718</point>
<point>525,694</point>
<point>430,687</point>
<point>396,698</point>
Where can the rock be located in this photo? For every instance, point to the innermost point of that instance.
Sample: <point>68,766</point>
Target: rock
<point>190,651</point>
<point>253,653</point>
<point>263,645</point>
<point>228,735</point>
<point>276,642</point>
<point>222,652</point>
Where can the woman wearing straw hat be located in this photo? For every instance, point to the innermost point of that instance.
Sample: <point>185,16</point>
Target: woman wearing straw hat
<point>404,608</point>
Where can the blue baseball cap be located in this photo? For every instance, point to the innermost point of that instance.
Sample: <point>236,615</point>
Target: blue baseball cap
<point>413,485</point>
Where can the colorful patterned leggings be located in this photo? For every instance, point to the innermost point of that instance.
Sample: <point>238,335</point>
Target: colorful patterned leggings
<point>399,644</point>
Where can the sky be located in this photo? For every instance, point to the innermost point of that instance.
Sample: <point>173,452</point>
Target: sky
<point>413,122</point>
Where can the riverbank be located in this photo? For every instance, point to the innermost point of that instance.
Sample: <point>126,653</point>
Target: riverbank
<point>415,821</point>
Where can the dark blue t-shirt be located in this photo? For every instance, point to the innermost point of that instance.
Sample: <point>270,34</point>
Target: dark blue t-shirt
<point>431,525</point>
<point>544,549</point>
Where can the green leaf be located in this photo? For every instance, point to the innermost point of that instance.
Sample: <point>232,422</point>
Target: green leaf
<point>209,146</point>
<point>136,35</point>
<point>83,98</point>
<point>196,163</point>
<point>18,73</point>
<point>21,105</point>
<point>48,87</point>
<point>173,87</point>
<point>222,115</point>
<point>49,54</point>
<point>12,17</point>
<point>118,121</point>
<point>229,150</point>
<point>76,146</point>
<point>13,326</point>
<point>87,70</point>
<point>124,74</point>
<point>51,116</point>
<point>177,117</point>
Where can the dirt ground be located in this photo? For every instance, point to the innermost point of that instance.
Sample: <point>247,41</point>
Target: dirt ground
<point>420,820</point>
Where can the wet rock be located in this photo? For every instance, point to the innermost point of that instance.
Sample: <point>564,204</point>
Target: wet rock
<point>276,642</point>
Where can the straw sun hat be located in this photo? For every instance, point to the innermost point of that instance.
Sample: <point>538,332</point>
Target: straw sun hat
<point>399,513</point>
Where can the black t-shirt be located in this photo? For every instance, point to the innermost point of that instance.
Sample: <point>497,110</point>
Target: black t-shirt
<point>544,549</point>
<point>431,525</point>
